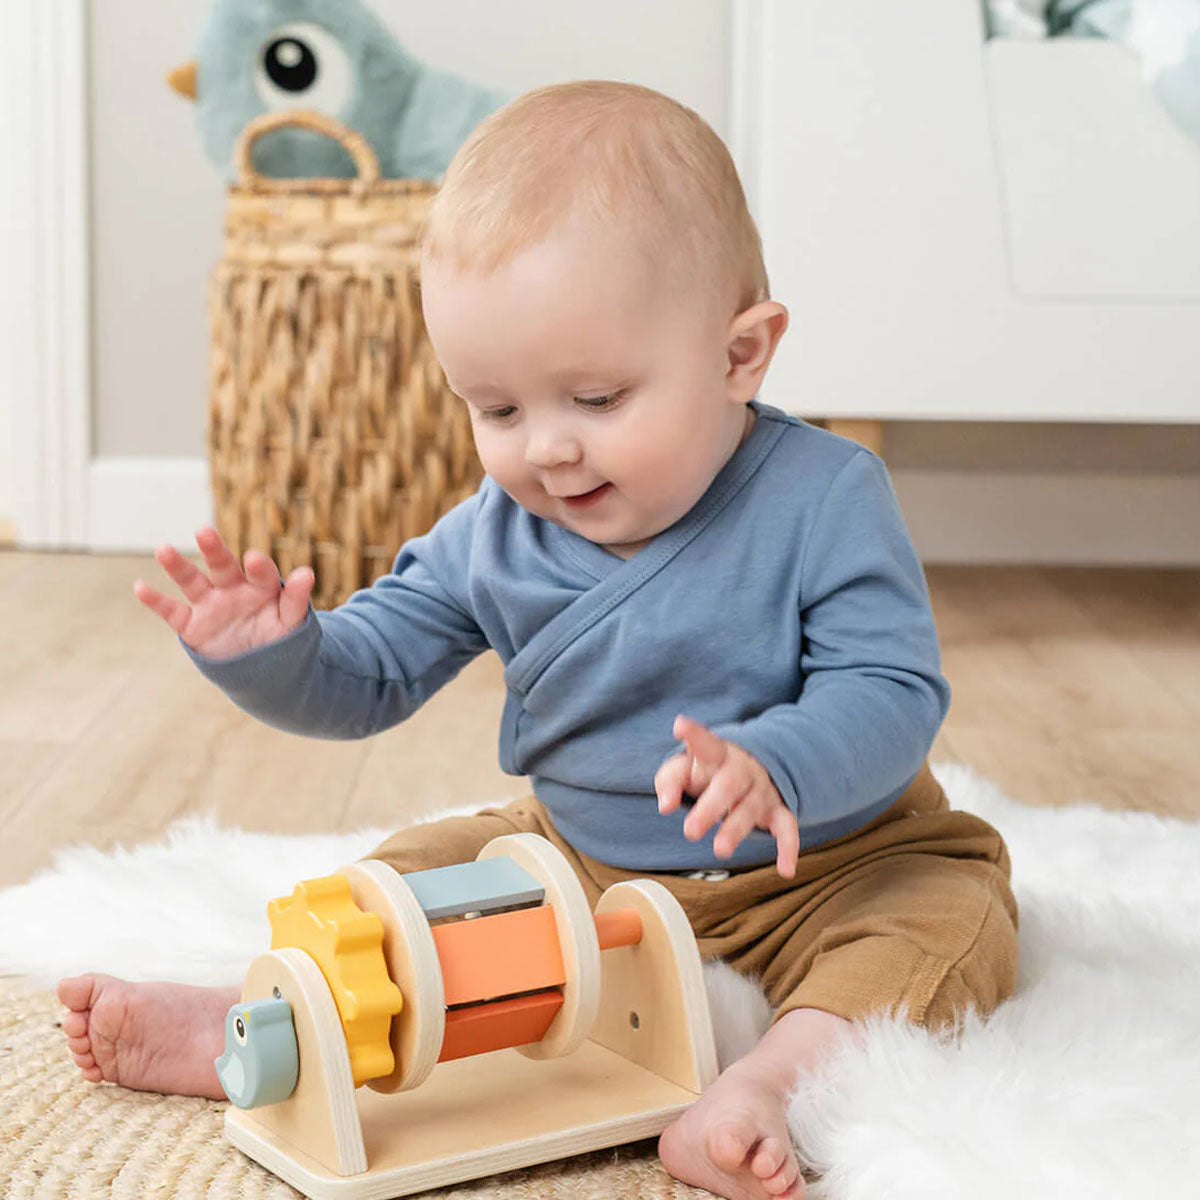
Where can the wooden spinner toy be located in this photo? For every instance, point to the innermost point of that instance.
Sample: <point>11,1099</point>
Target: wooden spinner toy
<point>405,1032</point>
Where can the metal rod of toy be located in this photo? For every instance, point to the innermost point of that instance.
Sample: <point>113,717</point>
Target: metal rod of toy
<point>620,928</point>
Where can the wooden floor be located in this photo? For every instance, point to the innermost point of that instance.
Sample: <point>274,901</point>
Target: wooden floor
<point>1069,685</point>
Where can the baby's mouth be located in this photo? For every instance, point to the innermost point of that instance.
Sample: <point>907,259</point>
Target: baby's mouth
<point>586,498</point>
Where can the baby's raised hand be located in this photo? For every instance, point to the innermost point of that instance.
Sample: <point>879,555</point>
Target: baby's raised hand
<point>234,611</point>
<point>730,783</point>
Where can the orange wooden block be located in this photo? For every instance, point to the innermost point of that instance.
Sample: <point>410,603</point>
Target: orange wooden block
<point>518,1021</point>
<point>499,955</point>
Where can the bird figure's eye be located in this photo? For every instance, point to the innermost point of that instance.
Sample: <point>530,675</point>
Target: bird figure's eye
<point>302,65</point>
<point>239,1029</point>
<point>291,64</point>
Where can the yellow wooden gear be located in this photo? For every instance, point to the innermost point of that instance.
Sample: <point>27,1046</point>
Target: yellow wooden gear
<point>321,918</point>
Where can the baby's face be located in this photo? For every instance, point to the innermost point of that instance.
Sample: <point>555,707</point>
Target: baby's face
<point>596,393</point>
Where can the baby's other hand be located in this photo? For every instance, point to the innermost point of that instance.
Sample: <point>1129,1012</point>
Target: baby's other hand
<point>233,611</point>
<point>732,787</point>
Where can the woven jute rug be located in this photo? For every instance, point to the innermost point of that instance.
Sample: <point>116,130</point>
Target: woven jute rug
<point>62,1138</point>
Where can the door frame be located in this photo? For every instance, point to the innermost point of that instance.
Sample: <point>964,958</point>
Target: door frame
<point>45,287</point>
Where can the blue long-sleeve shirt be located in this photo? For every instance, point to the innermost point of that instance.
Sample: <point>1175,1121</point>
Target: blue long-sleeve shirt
<point>787,611</point>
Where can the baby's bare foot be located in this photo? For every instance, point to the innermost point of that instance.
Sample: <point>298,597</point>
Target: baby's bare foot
<point>153,1037</point>
<point>734,1140</point>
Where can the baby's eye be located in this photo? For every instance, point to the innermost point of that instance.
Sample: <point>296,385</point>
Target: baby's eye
<point>498,414</point>
<point>600,403</point>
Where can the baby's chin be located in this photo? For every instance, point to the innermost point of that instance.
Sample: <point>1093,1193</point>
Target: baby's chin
<point>625,543</point>
<point>621,540</point>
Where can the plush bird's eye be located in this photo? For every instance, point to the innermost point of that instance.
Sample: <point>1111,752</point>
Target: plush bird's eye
<point>291,64</point>
<point>303,66</point>
<point>239,1030</point>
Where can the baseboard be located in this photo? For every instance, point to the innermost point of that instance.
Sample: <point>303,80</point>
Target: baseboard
<point>954,516</point>
<point>1052,518</point>
<point>136,504</point>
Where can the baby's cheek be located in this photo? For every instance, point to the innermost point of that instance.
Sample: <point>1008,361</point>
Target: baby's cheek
<point>642,461</point>
<point>506,468</point>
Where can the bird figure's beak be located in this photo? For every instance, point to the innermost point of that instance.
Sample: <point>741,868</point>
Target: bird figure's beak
<point>183,80</point>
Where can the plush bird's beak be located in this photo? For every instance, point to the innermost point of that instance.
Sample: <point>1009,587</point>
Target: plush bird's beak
<point>183,80</point>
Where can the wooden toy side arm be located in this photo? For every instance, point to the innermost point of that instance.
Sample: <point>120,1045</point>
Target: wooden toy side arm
<point>654,1005</point>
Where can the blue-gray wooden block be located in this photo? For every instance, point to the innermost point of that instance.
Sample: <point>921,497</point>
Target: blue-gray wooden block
<point>482,887</point>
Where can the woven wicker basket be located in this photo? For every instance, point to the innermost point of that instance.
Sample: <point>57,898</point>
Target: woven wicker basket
<point>332,436</point>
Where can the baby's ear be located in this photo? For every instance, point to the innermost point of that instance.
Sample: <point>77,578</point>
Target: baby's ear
<point>753,336</point>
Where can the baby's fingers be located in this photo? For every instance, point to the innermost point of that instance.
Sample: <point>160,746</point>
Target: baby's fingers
<point>261,571</point>
<point>293,600</point>
<point>671,781</point>
<point>174,612</point>
<point>727,788</point>
<point>226,572</point>
<point>193,582</point>
<point>787,841</point>
<point>734,830</point>
<point>702,743</point>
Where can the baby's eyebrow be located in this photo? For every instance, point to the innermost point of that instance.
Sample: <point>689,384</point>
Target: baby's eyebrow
<point>461,390</point>
<point>589,373</point>
<point>586,378</point>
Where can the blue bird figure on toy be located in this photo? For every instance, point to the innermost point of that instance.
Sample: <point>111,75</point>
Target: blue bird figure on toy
<point>339,58</point>
<point>261,1062</point>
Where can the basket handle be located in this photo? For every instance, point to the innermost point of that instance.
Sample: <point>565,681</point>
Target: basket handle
<point>354,143</point>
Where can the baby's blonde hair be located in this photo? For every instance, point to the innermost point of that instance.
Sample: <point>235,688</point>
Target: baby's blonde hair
<point>619,152</point>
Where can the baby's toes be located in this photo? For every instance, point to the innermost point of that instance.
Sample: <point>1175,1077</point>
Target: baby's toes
<point>769,1157</point>
<point>75,1025</point>
<point>85,1060</point>
<point>76,993</point>
<point>775,1164</point>
<point>730,1142</point>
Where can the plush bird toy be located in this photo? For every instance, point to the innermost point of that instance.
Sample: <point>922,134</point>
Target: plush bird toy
<point>336,56</point>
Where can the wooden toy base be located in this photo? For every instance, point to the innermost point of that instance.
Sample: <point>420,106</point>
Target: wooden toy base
<point>590,1099</point>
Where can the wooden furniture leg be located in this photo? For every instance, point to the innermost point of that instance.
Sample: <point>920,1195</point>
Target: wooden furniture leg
<point>865,433</point>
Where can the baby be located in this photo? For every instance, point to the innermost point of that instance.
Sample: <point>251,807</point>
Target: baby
<point>658,558</point>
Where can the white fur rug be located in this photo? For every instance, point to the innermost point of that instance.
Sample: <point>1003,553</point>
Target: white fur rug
<point>1085,1084</point>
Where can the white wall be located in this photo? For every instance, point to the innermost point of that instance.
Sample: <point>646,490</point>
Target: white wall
<point>7,441</point>
<point>7,531</point>
<point>12,69</point>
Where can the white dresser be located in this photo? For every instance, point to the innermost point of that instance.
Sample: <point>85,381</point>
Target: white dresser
<point>966,229</point>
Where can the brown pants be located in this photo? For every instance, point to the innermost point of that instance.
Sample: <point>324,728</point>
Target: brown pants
<point>911,914</point>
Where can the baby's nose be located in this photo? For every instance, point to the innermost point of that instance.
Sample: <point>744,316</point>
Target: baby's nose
<point>552,449</point>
